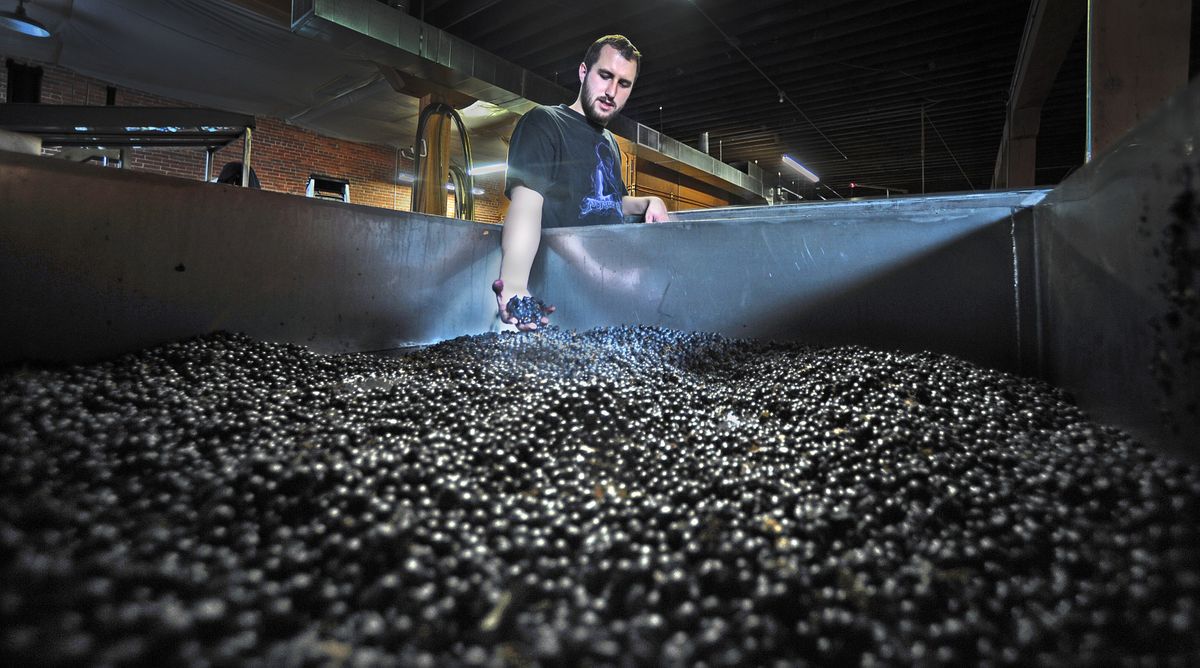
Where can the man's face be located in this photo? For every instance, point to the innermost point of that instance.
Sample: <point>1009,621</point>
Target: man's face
<point>606,86</point>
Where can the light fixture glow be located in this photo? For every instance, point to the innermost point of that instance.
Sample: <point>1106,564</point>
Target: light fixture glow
<point>479,109</point>
<point>474,191</point>
<point>19,21</point>
<point>489,169</point>
<point>791,162</point>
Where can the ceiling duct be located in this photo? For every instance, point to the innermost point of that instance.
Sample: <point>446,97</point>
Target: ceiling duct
<point>375,31</point>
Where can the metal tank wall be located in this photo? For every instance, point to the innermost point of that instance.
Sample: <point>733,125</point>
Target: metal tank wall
<point>1091,286</point>
<point>95,262</point>
<point>919,273</point>
<point>129,260</point>
<point>1118,247</point>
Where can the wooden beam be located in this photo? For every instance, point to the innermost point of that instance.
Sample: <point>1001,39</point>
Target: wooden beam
<point>1049,30</point>
<point>1137,57</point>
<point>279,11</point>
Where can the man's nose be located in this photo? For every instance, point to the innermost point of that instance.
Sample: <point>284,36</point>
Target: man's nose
<point>610,89</point>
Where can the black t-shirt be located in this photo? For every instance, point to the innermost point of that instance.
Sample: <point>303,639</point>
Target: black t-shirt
<point>574,165</point>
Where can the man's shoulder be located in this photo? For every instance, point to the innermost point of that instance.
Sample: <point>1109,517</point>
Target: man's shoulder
<point>544,112</point>
<point>540,120</point>
<point>547,115</point>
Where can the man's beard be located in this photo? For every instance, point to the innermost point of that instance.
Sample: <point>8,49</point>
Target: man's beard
<point>589,107</point>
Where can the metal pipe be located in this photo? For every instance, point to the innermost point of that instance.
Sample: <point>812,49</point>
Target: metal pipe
<point>922,149</point>
<point>464,207</point>
<point>1087,87</point>
<point>246,159</point>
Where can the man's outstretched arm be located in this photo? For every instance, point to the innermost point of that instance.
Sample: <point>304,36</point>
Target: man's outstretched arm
<point>519,245</point>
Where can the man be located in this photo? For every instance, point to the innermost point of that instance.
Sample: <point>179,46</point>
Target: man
<point>564,168</point>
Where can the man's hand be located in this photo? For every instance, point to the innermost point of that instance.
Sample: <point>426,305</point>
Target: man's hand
<point>651,208</point>
<point>502,299</point>
<point>656,210</point>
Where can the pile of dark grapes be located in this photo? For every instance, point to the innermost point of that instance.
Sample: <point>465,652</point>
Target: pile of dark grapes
<point>630,496</point>
<point>526,309</point>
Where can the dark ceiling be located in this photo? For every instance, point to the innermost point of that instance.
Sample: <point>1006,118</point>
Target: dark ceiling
<point>854,77</point>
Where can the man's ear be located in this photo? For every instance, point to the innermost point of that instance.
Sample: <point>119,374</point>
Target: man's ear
<point>582,72</point>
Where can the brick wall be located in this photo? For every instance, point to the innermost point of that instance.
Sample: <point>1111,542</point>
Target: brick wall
<point>283,156</point>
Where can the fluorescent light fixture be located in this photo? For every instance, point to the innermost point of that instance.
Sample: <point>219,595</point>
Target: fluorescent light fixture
<point>480,110</point>
<point>406,178</point>
<point>474,191</point>
<point>489,169</point>
<point>791,162</point>
<point>19,21</point>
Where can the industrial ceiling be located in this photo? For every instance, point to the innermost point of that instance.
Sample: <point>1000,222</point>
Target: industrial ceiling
<point>898,94</point>
<point>838,85</point>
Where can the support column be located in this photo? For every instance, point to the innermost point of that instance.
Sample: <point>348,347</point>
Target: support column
<point>1049,31</point>
<point>1137,57</point>
<point>435,163</point>
<point>1020,160</point>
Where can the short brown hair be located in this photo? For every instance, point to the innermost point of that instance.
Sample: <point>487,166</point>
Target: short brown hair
<point>619,42</point>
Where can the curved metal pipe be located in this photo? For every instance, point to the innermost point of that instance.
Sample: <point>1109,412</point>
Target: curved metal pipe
<point>464,198</point>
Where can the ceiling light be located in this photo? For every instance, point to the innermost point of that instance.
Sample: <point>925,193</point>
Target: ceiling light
<point>488,169</point>
<point>480,110</point>
<point>19,21</point>
<point>474,191</point>
<point>791,162</point>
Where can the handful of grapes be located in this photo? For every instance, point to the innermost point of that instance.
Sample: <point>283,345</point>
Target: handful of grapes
<point>526,309</point>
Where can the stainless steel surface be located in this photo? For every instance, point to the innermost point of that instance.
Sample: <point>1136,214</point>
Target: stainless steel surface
<point>1120,275</point>
<point>1092,286</point>
<point>151,259</point>
<point>911,274</point>
<point>129,260</point>
<point>82,125</point>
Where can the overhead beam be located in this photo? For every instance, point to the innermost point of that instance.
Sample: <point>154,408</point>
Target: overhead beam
<point>1049,30</point>
<point>279,11</point>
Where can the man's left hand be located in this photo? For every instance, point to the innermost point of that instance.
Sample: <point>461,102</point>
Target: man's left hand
<point>656,210</point>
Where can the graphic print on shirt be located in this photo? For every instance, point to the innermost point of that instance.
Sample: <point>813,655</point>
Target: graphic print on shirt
<point>604,195</point>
